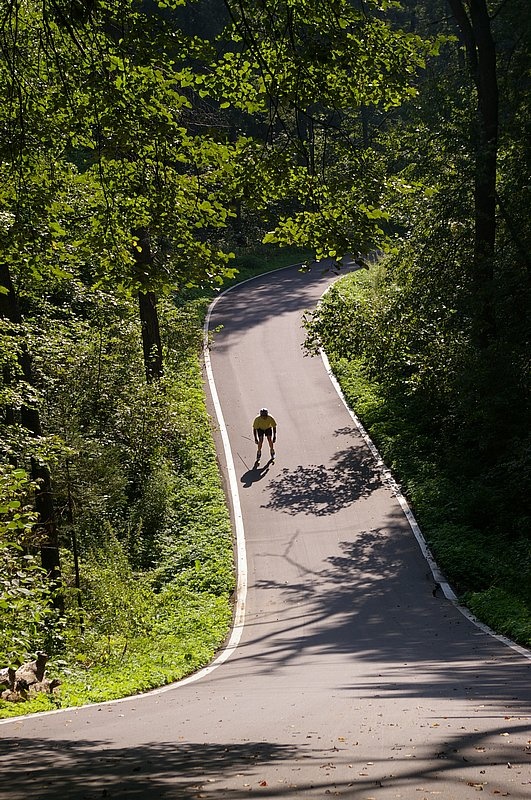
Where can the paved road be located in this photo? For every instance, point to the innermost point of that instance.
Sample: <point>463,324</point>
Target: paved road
<point>351,678</point>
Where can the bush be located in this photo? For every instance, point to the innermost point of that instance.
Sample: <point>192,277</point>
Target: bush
<point>138,489</point>
<point>116,605</point>
<point>461,554</point>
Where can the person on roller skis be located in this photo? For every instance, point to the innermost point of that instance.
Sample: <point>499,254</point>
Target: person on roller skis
<point>264,425</point>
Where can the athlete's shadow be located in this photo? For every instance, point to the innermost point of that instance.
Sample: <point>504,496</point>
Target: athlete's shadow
<point>255,474</point>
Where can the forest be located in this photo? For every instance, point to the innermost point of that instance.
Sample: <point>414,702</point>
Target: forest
<point>152,152</point>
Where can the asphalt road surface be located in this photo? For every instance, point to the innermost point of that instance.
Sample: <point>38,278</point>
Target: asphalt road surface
<point>353,677</point>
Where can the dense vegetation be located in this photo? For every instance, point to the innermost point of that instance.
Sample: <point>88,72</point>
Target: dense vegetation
<point>137,493</point>
<point>142,145</point>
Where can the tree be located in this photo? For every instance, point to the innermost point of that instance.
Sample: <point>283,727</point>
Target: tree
<point>442,326</point>
<point>314,73</point>
<point>45,524</point>
<point>91,175</point>
<point>474,25</point>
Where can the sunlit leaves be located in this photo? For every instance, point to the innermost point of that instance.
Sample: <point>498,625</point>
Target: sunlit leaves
<point>113,150</point>
<point>309,52</point>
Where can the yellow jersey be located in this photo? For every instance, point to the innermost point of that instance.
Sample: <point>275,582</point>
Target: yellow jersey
<point>263,423</point>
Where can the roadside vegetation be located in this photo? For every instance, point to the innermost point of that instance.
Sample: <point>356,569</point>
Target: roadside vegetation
<point>431,344</point>
<point>147,589</point>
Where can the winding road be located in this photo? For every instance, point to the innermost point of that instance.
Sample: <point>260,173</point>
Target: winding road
<point>353,675</point>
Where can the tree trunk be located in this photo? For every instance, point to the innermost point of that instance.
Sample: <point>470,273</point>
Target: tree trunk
<point>364,113</point>
<point>147,304</point>
<point>476,31</point>
<point>151,344</point>
<point>29,418</point>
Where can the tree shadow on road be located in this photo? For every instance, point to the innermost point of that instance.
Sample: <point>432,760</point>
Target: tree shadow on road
<point>90,770</point>
<point>172,770</point>
<point>376,602</point>
<point>320,490</point>
<point>372,597</point>
<point>252,304</point>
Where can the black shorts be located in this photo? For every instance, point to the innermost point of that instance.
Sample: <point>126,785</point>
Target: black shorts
<point>261,433</point>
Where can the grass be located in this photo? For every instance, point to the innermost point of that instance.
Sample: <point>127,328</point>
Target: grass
<point>253,262</point>
<point>182,636</point>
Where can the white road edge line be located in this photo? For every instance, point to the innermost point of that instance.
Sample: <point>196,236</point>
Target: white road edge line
<point>438,576</point>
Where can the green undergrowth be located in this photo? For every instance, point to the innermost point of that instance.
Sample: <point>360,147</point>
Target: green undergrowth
<point>251,262</point>
<point>181,632</point>
<point>257,261</point>
<point>154,537</point>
